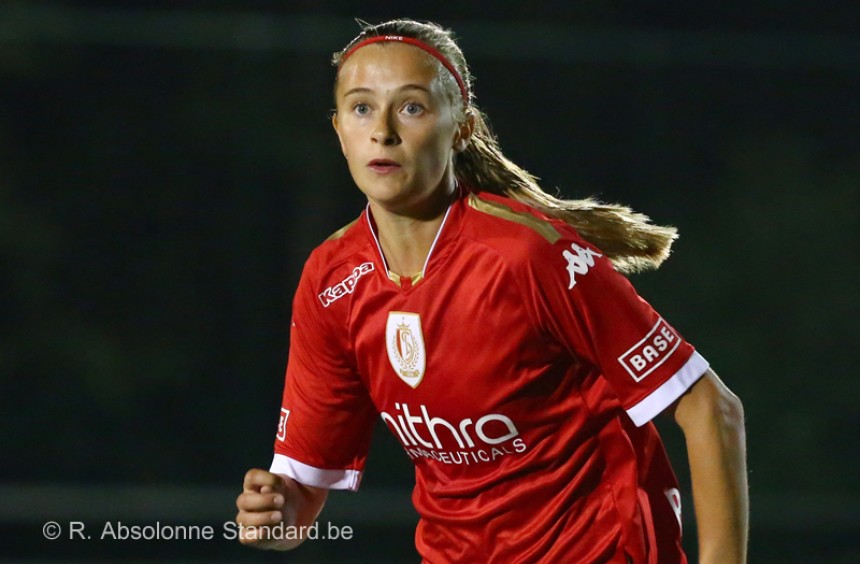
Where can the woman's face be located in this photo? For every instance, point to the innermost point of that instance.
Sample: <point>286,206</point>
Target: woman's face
<point>396,126</point>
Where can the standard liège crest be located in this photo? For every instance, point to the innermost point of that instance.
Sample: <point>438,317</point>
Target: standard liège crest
<point>404,341</point>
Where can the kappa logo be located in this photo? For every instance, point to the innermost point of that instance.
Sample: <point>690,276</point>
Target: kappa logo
<point>647,355</point>
<point>578,263</point>
<point>336,292</point>
<point>282,424</point>
<point>404,341</point>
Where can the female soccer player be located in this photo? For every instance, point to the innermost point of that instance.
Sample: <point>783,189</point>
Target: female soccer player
<point>487,324</point>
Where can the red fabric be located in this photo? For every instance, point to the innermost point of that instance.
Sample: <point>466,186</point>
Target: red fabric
<point>517,427</point>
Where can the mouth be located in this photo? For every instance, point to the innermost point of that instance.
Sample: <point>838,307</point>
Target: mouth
<point>383,166</point>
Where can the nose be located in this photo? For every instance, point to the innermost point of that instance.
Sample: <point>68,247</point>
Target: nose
<point>385,130</point>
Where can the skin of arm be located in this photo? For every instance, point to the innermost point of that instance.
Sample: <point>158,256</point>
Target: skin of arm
<point>268,500</point>
<point>712,419</point>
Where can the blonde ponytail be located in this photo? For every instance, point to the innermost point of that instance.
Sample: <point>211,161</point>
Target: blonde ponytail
<point>626,237</point>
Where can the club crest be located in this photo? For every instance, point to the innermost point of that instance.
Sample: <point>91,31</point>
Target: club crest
<point>405,343</point>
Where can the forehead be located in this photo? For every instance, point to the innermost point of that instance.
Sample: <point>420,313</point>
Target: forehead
<point>388,64</point>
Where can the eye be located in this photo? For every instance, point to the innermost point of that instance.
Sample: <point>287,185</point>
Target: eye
<point>413,109</point>
<point>361,109</point>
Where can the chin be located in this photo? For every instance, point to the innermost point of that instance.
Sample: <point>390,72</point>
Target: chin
<point>384,192</point>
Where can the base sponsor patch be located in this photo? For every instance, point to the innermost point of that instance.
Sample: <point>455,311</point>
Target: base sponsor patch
<point>653,350</point>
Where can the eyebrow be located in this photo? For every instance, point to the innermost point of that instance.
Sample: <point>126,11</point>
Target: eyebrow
<point>405,87</point>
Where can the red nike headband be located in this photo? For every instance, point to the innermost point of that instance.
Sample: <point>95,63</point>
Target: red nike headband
<point>421,45</point>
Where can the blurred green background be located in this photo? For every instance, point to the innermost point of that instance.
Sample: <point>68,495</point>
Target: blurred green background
<point>166,167</point>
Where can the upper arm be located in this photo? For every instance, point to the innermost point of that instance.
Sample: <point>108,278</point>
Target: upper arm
<point>327,415</point>
<point>708,400</point>
<point>582,302</point>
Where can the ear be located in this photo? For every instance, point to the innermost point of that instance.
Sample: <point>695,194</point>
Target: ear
<point>337,132</point>
<point>463,135</point>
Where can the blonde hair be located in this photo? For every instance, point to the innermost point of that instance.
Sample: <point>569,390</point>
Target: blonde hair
<point>628,238</point>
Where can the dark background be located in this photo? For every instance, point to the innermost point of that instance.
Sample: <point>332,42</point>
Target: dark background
<point>166,167</point>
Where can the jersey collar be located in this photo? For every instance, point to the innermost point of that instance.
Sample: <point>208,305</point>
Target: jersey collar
<point>448,230</point>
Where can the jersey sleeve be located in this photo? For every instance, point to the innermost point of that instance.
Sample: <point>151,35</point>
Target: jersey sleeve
<point>327,416</point>
<point>585,304</point>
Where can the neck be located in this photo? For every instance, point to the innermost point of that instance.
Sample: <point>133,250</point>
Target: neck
<point>406,240</point>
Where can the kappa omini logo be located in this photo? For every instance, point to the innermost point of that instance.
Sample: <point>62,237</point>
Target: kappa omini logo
<point>404,341</point>
<point>578,263</point>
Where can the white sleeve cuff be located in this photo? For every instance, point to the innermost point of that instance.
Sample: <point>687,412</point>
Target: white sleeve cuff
<point>316,477</point>
<point>669,391</point>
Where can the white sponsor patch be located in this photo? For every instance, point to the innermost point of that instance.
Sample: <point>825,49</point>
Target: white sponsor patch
<point>647,355</point>
<point>404,341</point>
<point>347,286</point>
<point>578,263</point>
<point>282,424</point>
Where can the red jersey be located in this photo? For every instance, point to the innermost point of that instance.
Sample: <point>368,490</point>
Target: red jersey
<point>520,373</point>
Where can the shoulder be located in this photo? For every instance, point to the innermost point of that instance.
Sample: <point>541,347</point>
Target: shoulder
<point>517,230</point>
<point>338,246</point>
<point>507,216</point>
<point>346,252</point>
<point>539,250</point>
